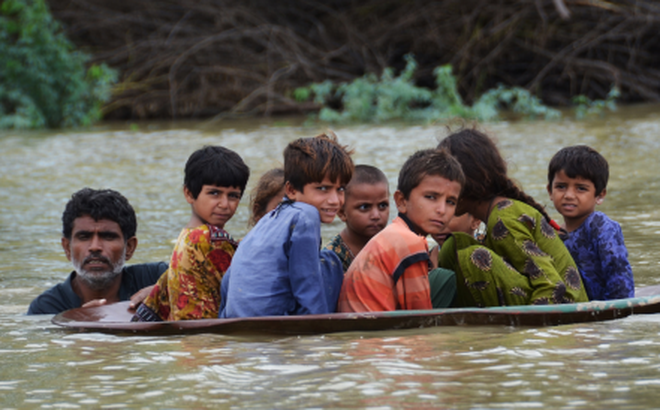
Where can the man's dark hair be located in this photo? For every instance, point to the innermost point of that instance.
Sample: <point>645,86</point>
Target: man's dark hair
<point>100,204</point>
<point>215,165</point>
<point>580,161</point>
<point>433,162</point>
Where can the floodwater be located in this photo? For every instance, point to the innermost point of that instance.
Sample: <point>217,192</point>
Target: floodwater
<point>612,364</point>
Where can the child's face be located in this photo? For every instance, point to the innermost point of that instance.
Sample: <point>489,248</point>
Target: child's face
<point>574,198</point>
<point>367,209</point>
<point>431,204</point>
<point>274,201</point>
<point>214,205</point>
<point>327,196</point>
<point>464,223</point>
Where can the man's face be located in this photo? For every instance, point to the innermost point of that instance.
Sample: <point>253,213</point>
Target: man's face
<point>97,250</point>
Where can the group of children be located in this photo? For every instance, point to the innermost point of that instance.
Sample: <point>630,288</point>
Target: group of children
<point>281,267</point>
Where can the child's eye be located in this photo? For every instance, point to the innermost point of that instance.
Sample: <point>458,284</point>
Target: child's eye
<point>383,205</point>
<point>364,207</point>
<point>341,189</point>
<point>431,197</point>
<point>322,188</point>
<point>451,202</point>
<point>235,195</point>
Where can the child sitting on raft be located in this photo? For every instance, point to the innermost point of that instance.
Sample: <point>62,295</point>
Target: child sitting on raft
<point>215,178</point>
<point>522,260</point>
<point>365,212</point>
<point>279,269</point>
<point>392,270</point>
<point>266,195</point>
<point>577,182</point>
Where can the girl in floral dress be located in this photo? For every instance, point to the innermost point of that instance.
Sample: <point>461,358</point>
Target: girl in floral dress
<point>215,178</point>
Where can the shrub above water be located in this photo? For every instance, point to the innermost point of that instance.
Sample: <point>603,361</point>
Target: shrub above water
<point>398,98</point>
<point>43,79</point>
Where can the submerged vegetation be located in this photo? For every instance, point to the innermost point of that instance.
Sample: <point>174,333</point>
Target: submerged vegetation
<point>587,107</point>
<point>43,79</point>
<point>370,99</point>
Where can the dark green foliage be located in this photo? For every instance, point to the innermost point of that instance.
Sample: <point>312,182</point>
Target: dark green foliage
<point>398,98</point>
<point>43,80</point>
<point>586,106</point>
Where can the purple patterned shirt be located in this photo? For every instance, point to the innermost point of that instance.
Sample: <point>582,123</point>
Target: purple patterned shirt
<point>598,249</point>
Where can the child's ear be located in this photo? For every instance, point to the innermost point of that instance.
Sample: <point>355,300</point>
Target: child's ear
<point>601,197</point>
<point>549,188</point>
<point>189,196</point>
<point>290,191</point>
<point>400,201</point>
<point>341,214</point>
<point>474,224</point>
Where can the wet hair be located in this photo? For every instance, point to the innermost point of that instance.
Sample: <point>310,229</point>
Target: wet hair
<point>580,161</point>
<point>100,204</point>
<point>485,169</point>
<point>425,162</point>
<point>309,160</point>
<point>366,174</point>
<point>270,184</point>
<point>215,165</point>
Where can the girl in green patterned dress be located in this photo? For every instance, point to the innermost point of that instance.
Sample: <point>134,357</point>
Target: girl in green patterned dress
<point>522,260</point>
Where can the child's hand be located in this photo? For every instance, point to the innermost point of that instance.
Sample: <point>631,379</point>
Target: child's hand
<point>139,297</point>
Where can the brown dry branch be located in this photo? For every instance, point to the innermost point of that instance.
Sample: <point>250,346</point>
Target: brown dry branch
<point>214,58</point>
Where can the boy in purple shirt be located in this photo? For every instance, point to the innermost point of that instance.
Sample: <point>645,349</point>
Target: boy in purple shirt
<point>577,180</point>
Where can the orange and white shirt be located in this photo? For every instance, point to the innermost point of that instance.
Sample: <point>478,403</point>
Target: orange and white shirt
<point>389,273</point>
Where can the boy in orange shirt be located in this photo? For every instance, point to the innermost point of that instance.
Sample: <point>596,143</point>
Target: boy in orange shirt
<point>365,212</point>
<point>392,270</point>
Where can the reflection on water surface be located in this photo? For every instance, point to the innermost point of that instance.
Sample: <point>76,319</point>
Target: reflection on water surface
<point>600,365</point>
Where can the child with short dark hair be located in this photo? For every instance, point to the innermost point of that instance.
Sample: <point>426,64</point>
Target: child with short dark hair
<point>365,212</point>
<point>280,269</point>
<point>522,259</point>
<point>392,270</point>
<point>215,179</point>
<point>577,182</point>
<point>266,195</point>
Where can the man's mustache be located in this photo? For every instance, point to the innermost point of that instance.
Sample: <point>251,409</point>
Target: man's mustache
<point>96,257</point>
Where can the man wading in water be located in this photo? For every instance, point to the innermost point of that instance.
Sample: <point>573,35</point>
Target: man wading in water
<point>98,238</point>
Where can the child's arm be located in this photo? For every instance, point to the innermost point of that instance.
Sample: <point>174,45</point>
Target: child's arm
<point>412,288</point>
<point>613,255</point>
<point>523,252</point>
<point>307,284</point>
<point>190,287</point>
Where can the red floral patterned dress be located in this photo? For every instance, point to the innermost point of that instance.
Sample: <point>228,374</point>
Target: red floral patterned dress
<point>190,288</point>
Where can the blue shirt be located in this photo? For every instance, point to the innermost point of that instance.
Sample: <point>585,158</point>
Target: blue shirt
<point>279,269</point>
<point>598,249</point>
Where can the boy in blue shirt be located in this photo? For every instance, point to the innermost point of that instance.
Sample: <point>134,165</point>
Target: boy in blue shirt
<point>279,268</point>
<point>577,180</point>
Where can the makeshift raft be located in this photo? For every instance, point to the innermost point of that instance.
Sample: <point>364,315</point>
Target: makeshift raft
<point>115,318</point>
